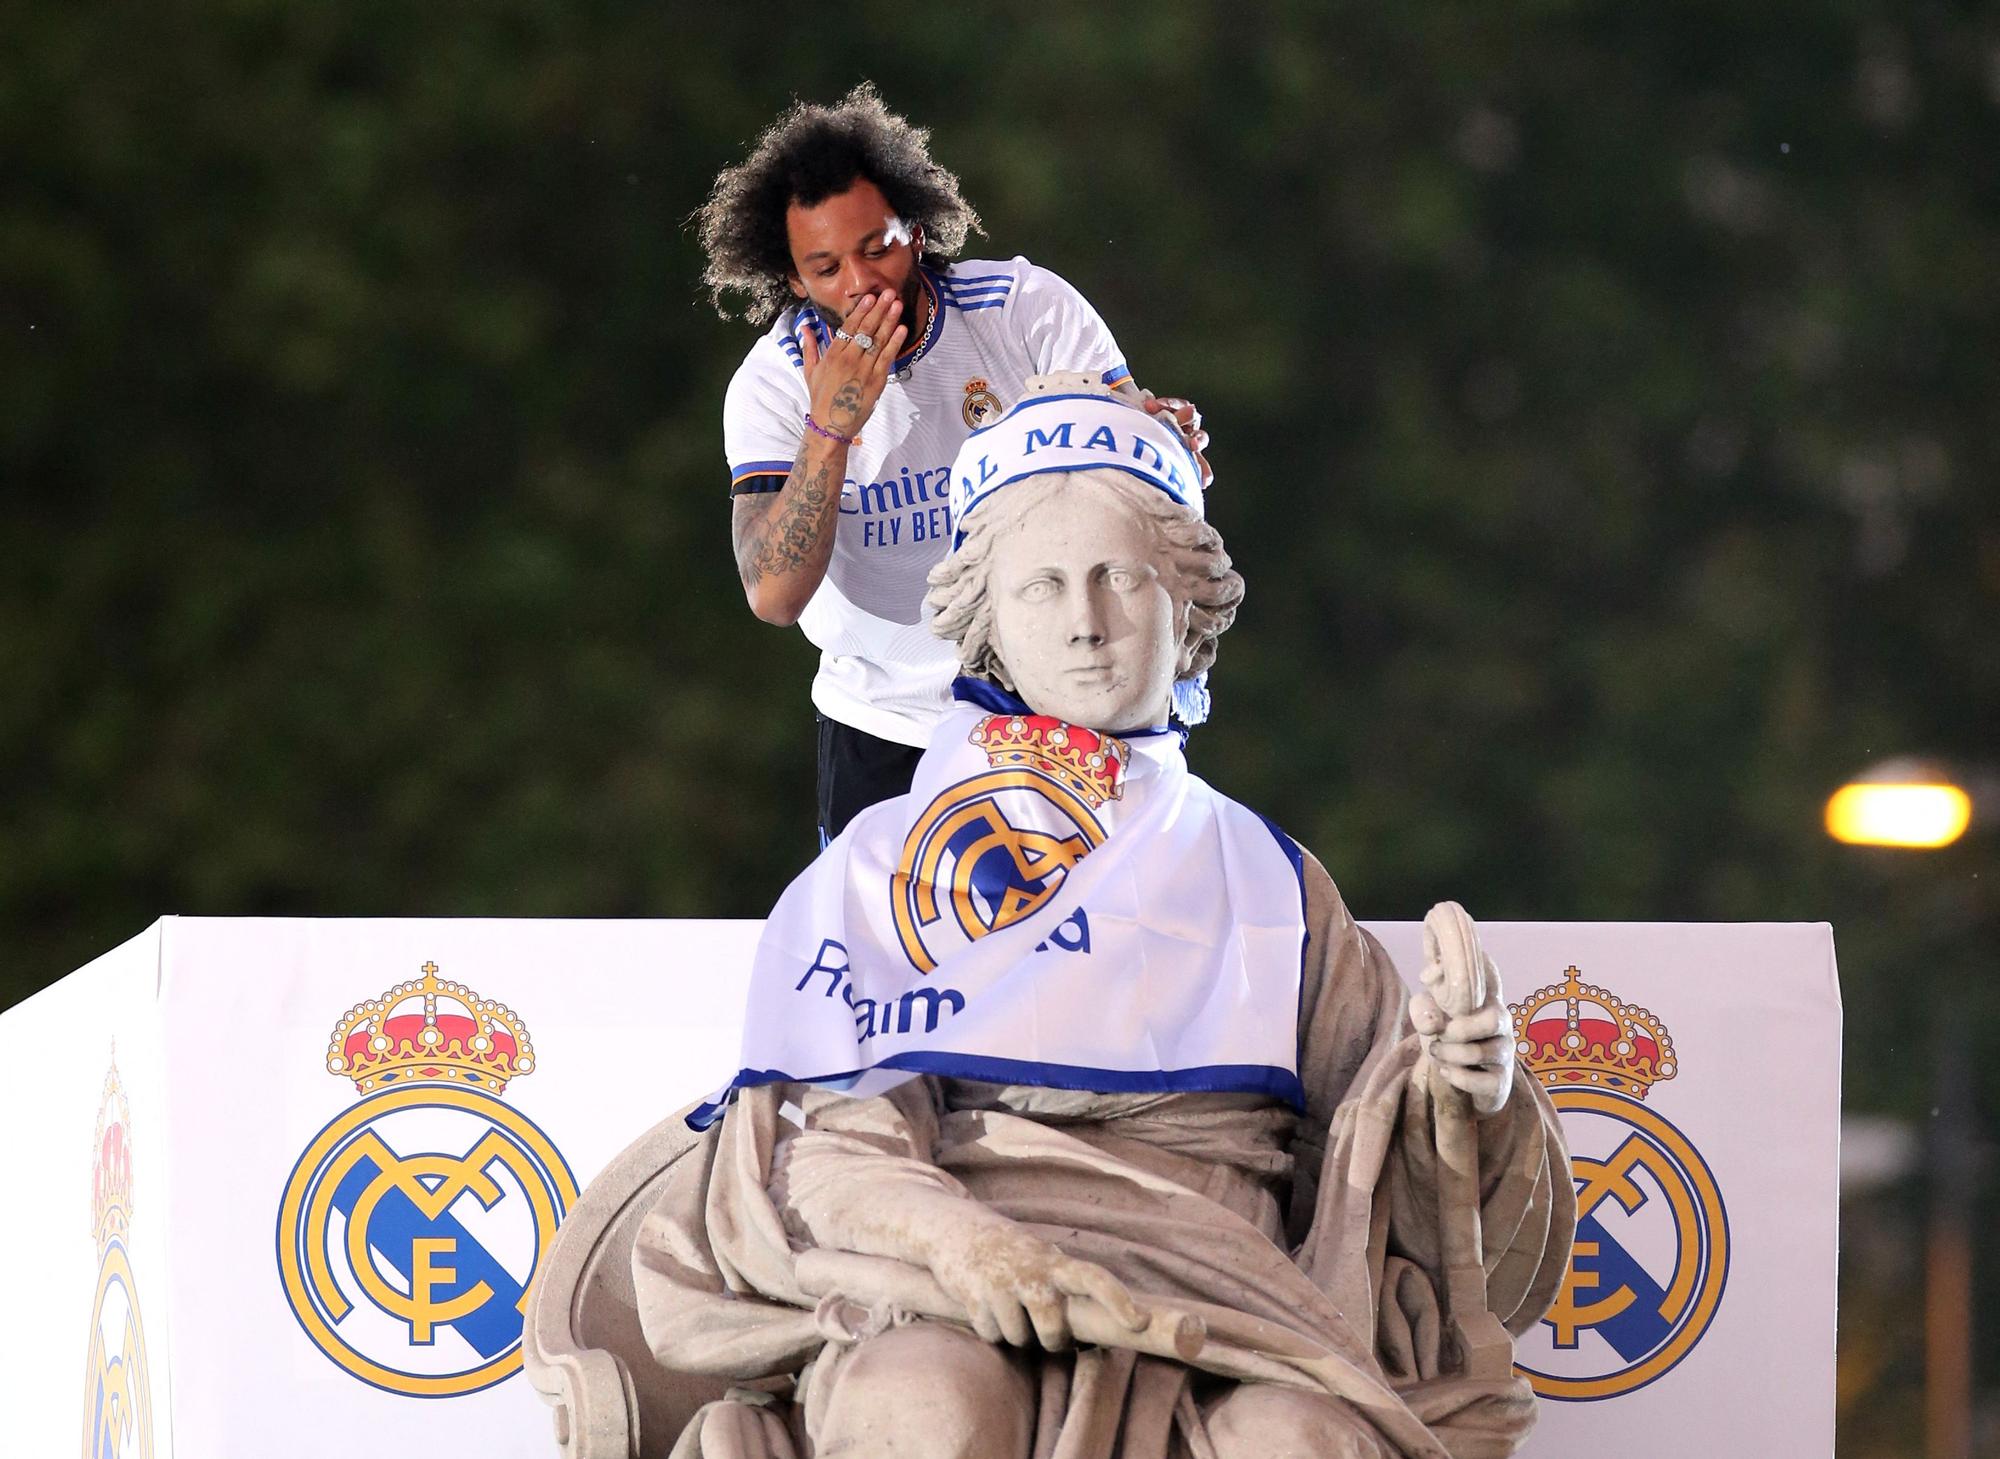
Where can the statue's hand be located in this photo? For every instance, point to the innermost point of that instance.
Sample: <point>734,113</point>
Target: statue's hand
<point>1474,1053</point>
<point>1015,1287</point>
<point>1460,1014</point>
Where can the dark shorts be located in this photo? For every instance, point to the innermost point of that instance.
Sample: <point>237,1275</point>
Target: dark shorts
<point>856,770</point>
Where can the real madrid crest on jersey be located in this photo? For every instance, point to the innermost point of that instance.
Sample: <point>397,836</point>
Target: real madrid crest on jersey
<point>117,1382</point>
<point>982,406</point>
<point>993,848</point>
<point>1652,1239</point>
<point>413,1223</point>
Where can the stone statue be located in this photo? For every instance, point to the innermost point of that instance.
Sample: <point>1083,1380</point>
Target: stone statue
<point>1077,1116</point>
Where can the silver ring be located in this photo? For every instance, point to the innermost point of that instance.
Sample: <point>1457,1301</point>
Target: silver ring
<point>842,334</point>
<point>867,343</point>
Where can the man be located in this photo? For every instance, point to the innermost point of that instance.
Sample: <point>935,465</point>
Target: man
<point>1065,1052</point>
<point>881,356</point>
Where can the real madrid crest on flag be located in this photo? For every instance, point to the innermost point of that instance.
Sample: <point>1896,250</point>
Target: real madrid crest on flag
<point>117,1380</point>
<point>1652,1239</point>
<point>992,849</point>
<point>993,924</point>
<point>413,1223</point>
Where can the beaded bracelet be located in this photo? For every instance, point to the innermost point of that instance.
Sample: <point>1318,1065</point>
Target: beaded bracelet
<point>818,429</point>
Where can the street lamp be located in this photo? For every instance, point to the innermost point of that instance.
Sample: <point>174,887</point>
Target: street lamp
<point>1923,805</point>
<point>1905,802</point>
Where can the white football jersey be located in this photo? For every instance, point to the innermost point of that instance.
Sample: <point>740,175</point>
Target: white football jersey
<point>992,325</point>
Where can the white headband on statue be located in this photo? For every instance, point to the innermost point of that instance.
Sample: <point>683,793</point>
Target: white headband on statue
<point>1069,423</point>
<point>1057,431</point>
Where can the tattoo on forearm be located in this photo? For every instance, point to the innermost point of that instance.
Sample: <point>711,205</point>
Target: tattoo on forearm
<point>781,538</point>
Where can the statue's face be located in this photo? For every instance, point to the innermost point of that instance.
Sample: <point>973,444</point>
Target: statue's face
<point>1082,617</point>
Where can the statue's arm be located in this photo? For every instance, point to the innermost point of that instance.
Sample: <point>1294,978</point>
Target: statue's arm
<point>1354,1014</point>
<point>1351,1003</point>
<point>860,1177</point>
<point>1358,1061</point>
<point>849,1178</point>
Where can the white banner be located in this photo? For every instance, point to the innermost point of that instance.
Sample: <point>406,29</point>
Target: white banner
<point>238,1227</point>
<point>85,1345</point>
<point>1698,1317</point>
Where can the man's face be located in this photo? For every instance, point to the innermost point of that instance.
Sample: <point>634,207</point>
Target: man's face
<point>848,247</point>
<point>1082,617</point>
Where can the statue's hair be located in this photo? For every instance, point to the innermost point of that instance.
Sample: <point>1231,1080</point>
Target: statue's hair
<point>808,155</point>
<point>1199,573</point>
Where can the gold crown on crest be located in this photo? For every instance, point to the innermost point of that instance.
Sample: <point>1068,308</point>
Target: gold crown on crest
<point>1575,1035</point>
<point>111,1162</point>
<point>1088,763</point>
<point>430,1030</point>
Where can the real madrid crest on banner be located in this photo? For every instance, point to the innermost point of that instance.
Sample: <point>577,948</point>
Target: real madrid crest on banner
<point>413,1223</point>
<point>993,848</point>
<point>117,1383</point>
<point>1652,1239</point>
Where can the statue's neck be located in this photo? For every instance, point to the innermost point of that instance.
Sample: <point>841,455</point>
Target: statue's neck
<point>991,697</point>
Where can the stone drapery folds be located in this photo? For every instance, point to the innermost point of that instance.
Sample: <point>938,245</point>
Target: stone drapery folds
<point>1309,1245</point>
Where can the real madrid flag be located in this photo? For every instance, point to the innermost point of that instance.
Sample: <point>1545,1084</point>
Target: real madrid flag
<point>1046,906</point>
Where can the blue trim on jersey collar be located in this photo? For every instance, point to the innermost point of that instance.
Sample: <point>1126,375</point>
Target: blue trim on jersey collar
<point>987,695</point>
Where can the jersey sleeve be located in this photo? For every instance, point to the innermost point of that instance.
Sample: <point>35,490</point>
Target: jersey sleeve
<point>762,415</point>
<point>1062,330</point>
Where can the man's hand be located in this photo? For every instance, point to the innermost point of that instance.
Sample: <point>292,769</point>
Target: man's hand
<point>783,539</point>
<point>1014,1286</point>
<point>1186,420</point>
<point>845,380</point>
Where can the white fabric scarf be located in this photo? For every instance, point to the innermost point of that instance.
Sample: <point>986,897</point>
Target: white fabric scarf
<point>1020,918</point>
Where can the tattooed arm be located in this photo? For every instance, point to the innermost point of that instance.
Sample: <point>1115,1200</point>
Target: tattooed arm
<point>784,539</point>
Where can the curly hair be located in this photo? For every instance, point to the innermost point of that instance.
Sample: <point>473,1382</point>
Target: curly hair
<point>808,155</point>
<point>1199,573</point>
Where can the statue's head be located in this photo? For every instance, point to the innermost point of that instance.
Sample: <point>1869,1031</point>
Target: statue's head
<point>1082,575</point>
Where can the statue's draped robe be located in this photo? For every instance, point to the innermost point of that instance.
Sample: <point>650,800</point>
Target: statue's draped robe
<point>1323,1227</point>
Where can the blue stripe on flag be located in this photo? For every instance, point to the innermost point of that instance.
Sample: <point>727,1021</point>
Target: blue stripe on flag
<point>1297,857</point>
<point>1265,1079</point>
